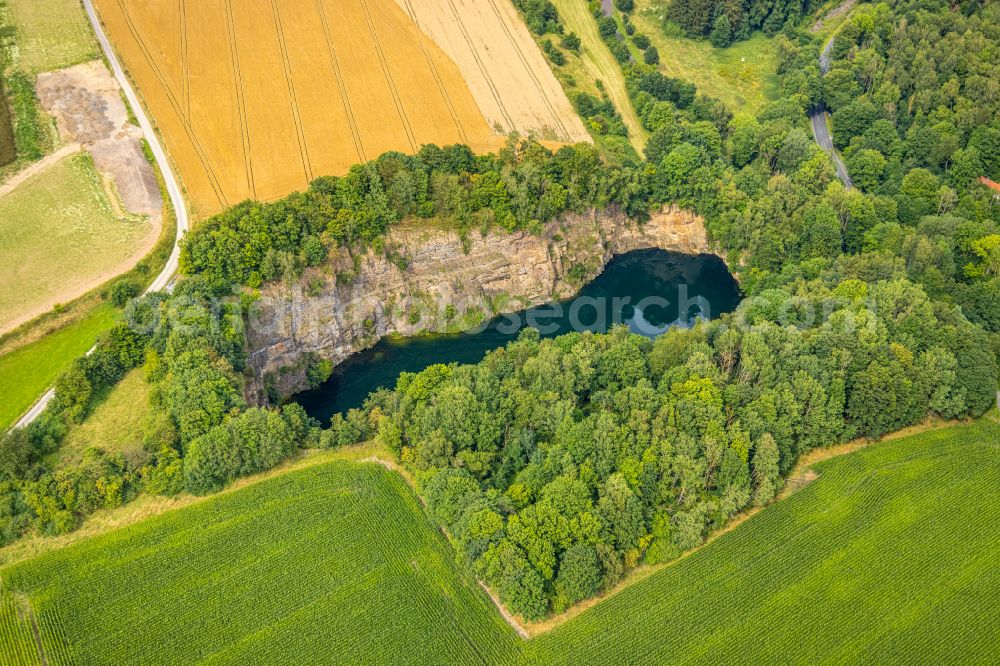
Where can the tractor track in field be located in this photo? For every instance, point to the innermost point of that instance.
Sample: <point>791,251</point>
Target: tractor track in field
<point>296,116</point>
<point>37,633</point>
<point>437,75</point>
<point>403,37</point>
<point>397,100</point>
<point>531,72</point>
<point>241,104</point>
<point>185,62</point>
<point>41,165</point>
<point>199,149</point>
<point>479,63</point>
<point>345,98</point>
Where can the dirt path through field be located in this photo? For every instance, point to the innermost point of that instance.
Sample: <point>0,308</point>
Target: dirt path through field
<point>97,254</point>
<point>38,167</point>
<point>86,102</point>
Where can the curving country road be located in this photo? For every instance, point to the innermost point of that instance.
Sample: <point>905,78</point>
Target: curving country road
<point>166,276</point>
<point>821,128</point>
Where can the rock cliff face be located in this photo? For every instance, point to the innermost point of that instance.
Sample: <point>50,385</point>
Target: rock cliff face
<point>431,279</point>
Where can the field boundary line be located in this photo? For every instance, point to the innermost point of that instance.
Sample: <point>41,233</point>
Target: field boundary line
<point>299,131</point>
<point>436,74</point>
<point>403,37</point>
<point>241,105</point>
<point>192,136</point>
<point>338,75</point>
<point>185,63</point>
<point>529,70</point>
<point>482,67</point>
<point>388,75</point>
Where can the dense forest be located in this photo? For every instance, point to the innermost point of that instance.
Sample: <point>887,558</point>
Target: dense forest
<point>556,466</point>
<point>728,21</point>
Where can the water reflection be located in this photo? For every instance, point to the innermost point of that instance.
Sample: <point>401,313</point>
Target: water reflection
<point>650,291</point>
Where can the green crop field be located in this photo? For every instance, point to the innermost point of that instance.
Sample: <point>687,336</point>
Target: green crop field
<point>51,34</point>
<point>889,556</point>
<point>333,564</point>
<point>744,75</point>
<point>27,372</point>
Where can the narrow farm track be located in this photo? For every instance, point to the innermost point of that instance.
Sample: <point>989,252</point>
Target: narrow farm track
<point>33,622</point>
<point>600,64</point>
<point>166,276</point>
<point>41,165</point>
<point>437,77</point>
<point>482,67</point>
<point>296,115</point>
<point>185,62</point>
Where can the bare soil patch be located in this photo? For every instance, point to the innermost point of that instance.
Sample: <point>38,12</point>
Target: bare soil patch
<point>87,104</point>
<point>71,222</point>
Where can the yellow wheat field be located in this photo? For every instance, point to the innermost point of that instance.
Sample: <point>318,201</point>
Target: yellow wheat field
<point>255,98</point>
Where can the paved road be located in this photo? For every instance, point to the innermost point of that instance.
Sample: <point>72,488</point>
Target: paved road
<point>821,127</point>
<point>165,278</point>
<point>824,58</point>
<point>821,131</point>
<point>173,189</point>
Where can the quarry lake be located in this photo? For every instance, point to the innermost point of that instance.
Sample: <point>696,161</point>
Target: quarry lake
<point>649,291</point>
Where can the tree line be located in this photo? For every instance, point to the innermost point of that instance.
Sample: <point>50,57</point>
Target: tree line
<point>728,21</point>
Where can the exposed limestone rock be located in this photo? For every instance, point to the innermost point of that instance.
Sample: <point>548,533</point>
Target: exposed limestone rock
<point>353,302</point>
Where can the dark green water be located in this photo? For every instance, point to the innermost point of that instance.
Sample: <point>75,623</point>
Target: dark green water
<point>648,290</point>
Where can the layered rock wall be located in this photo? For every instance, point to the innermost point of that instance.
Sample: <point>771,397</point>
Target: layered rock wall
<point>353,301</point>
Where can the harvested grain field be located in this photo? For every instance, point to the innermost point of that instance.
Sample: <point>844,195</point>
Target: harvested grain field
<point>499,59</point>
<point>255,99</point>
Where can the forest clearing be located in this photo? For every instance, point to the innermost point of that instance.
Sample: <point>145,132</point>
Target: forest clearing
<point>256,104</point>
<point>742,75</point>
